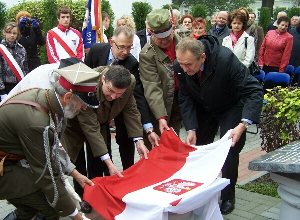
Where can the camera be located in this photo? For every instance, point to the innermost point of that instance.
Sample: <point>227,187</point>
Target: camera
<point>28,21</point>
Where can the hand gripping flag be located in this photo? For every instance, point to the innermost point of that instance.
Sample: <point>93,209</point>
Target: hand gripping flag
<point>177,178</point>
<point>91,26</point>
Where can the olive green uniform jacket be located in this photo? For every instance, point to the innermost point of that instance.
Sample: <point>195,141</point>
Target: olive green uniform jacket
<point>88,123</point>
<point>21,129</point>
<point>157,76</point>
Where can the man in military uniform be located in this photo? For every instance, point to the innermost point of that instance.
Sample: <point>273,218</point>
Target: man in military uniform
<point>31,173</point>
<point>157,75</point>
<point>115,94</point>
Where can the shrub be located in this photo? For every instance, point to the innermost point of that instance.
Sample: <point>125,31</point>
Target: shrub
<point>167,6</point>
<point>199,11</point>
<point>279,125</point>
<point>139,13</point>
<point>264,18</point>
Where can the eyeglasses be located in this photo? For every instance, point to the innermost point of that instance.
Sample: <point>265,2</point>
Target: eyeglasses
<point>123,47</point>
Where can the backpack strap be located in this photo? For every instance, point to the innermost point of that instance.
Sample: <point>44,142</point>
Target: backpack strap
<point>246,42</point>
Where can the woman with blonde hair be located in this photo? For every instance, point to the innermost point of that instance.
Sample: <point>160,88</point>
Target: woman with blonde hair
<point>127,20</point>
<point>13,59</point>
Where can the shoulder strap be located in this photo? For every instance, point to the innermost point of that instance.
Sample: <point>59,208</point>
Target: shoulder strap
<point>10,60</point>
<point>62,43</point>
<point>246,42</point>
<point>24,102</point>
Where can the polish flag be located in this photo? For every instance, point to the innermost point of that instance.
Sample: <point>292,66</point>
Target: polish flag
<point>177,179</point>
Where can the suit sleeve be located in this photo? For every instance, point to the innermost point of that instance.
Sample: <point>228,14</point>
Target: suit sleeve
<point>132,117</point>
<point>152,85</point>
<point>51,50</point>
<point>139,96</point>
<point>92,131</point>
<point>186,102</point>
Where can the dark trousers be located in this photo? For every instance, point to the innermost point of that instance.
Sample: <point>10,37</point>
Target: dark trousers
<point>126,145</point>
<point>268,69</point>
<point>35,203</point>
<point>208,125</point>
<point>91,166</point>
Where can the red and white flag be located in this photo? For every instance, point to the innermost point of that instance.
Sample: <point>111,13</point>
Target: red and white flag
<point>176,178</point>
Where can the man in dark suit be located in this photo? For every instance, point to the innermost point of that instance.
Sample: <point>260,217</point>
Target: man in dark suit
<point>144,35</point>
<point>216,92</point>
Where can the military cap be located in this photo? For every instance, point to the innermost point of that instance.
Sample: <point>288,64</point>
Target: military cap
<point>159,22</point>
<point>81,81</point>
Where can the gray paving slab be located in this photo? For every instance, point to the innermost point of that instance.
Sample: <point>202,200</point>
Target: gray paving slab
<point>248,205</point>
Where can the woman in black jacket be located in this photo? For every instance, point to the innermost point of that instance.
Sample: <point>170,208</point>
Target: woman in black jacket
<point>31,37</point>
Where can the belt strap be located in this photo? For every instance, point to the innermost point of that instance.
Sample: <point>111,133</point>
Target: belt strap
<point>26,103</point>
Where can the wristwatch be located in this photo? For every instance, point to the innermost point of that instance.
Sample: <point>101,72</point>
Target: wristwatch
<point>149,132</point>
<point>246,124</point>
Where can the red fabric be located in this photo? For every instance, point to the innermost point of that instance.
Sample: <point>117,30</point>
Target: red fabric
<point>170,51</point>
<point>163,118</point>
<point>196,37</point>
<point>11,65</point>
<point>107,193</point>
<point>68,86</point>
<point>62,43</point>
<point>200,76</point>
<point>235,38</point>
<point>276,50</point>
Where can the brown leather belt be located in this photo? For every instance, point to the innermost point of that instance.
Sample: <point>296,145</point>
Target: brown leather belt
<point>10,158</point>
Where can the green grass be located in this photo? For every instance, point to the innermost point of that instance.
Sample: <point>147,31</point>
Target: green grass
<point>262,188</point>
<point>262,185</point>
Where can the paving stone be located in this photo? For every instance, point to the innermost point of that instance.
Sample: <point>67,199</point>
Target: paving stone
<point>270,215</point>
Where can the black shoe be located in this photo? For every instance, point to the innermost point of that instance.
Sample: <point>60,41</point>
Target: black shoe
<point>85,207</point>
<point>11,216</point>
<point>227,206</point>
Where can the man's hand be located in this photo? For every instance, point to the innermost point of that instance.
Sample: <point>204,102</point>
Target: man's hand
<point>236,133</point>
<point>191,138</point>
<point>77,217</point>
<point>152,137</point>
<point>81,179</point>
<point>112,168</point>
<point>142,149</point>
<point>163,125</point>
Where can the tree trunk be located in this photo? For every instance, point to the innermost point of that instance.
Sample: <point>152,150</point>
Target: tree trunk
<point>269,4</point>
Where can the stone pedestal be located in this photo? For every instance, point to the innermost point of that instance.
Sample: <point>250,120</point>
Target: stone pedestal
<point>289,191</point>
<point>284,166</point>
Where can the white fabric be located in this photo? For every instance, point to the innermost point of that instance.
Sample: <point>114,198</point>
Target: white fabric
<point>246,56</point>
<point>136,47</point>
<point>12,60</point>
<point>203,200</point>
<point>41,77</point>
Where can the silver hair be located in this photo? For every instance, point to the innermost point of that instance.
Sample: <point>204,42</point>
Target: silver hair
<point>127,31</point>
<point>176,12</point>
<point>196,47</point>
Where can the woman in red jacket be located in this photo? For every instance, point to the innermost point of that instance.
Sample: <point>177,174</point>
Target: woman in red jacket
<point>275,51</point>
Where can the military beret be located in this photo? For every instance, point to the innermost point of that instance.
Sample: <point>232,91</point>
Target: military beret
<point>81,81</point>
<point>159,22</point>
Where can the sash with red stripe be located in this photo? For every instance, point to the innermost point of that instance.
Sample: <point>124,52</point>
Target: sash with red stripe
<point>62,43</point>
<point>12,63</point>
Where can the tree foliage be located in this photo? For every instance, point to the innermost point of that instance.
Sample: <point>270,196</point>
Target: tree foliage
<point>198,11</point>
<point>280,123</point>
<point>167,6</point>
<point>139,13</point>
<point>293,11</point>
<point>276,10</point>
<point>2,16</point>
<point>218,5</point>
<point>264,18</point>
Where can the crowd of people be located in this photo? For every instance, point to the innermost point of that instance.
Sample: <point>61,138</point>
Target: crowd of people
<point>173,72</point>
